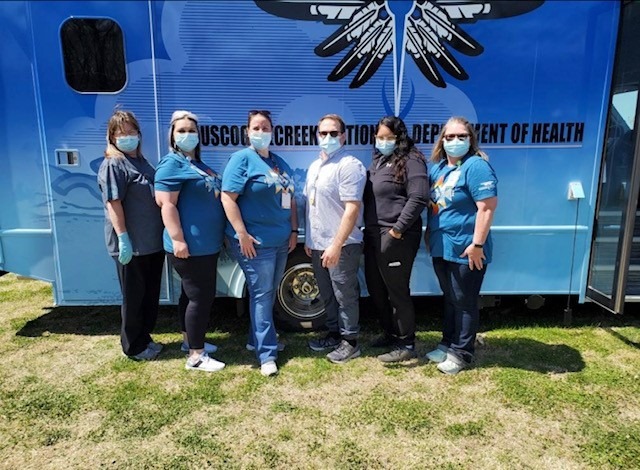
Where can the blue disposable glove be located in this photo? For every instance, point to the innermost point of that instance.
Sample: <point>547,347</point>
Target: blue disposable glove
<point>125,248</point>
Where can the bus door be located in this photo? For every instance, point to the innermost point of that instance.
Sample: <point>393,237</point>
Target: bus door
<point>89,58</point>
<point>614,272</point>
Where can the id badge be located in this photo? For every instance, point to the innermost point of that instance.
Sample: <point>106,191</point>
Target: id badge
<point>286,200</point>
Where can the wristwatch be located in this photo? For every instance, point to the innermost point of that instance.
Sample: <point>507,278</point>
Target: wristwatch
<point>478,245</point>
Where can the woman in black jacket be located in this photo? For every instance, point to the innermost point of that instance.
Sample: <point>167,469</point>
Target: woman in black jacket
<point>394,197</point>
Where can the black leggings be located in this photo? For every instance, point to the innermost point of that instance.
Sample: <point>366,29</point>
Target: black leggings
<point>198,274</point>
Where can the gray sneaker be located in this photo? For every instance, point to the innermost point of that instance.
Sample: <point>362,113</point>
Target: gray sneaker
<point>344,352</point>
<point>398,354</point>
<point>146,355</point>
<point>321,344</point>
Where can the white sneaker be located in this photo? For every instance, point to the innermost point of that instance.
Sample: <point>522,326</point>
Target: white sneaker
<point>269,368</point>
<point>251,347</point>
<point>208,348</point>
<point>452,365</point>
<point>204,363</point>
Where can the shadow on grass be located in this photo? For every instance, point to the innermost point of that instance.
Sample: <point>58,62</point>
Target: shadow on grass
<point>528,354</point>
<point>622,338</point>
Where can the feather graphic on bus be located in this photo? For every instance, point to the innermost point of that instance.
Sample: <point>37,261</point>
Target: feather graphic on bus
<point>371,30</point>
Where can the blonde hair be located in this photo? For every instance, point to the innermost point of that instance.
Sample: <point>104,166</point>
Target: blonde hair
<point>176,116</point>
<point>438,153</point>
<point>116,123</point>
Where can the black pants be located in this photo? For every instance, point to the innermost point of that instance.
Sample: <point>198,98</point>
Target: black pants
<point>388,263</point>
<point>140,285</point>
<point>198,275</point>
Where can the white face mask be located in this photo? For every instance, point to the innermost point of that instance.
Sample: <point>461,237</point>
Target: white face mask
<point>385,147</point>
<point>329,144</point>
<point>456,147</point>
<point>187,141</point>
<point>260,140</point>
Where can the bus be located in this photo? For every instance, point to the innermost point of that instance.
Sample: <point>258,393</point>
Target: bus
<point>551,87</point>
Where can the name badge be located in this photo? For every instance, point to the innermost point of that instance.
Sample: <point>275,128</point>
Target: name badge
<point>286,200</point>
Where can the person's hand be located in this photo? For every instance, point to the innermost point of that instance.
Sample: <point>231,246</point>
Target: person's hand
<point>475,255</point>
<point>247,247</point>
<point>125,248</point>
<point>293,241</point>
<point>307,251</point>
<point>180,249</point>
<point>331,256</point>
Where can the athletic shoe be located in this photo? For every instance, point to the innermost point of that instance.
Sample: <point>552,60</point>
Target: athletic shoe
<point>157,347</point>
<point>146,355</point>
<point>269,368</point>
<point>452,365</point>
<point>382,341</point>
<point>208,348</point>
<point>321,344</point>
<point>251,347</point>
<point>398,354</point>
<point>343,353</point>
<point>204,363</point>
<point>437,355</point>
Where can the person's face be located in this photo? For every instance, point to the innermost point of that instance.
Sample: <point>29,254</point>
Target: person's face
<point>332,128</point>
<point>385,134</point>
<point>456,130</point>
<point>259,123</point>
<point>183,126</point>
<point>127,129</point>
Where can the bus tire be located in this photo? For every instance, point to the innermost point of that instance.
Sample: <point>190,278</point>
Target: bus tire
<point>298,304</point>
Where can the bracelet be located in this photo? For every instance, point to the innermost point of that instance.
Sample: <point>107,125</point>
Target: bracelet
<point>478,245</point>
<point>295,231</point>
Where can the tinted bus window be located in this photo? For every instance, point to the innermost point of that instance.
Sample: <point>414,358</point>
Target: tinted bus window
<point>93,52</point>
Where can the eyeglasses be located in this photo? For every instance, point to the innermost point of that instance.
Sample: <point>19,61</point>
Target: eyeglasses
<point>331,133</point>
<point>264,112</point>
<point>450,137</point>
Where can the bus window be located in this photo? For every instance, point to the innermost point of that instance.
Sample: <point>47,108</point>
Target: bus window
<point>93,52</point>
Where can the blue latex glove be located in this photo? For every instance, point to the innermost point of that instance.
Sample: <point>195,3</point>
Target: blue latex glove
<point>125,248</point>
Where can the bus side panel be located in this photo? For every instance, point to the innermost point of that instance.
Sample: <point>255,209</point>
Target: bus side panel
<point>25,229</point>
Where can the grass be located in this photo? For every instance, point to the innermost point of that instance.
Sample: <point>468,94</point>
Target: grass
<point>541,396</point>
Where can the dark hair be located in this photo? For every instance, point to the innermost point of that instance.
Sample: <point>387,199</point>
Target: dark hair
<point>405,147</point>
<point>438,153</point>
<point>259,112</point>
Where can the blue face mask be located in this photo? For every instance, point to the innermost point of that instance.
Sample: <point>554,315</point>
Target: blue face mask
<point>128,143</point>
<point>260,140</point>
<point>330,144</point>
<point>456,147</point>
<point>385,147</point>
<point>187,141</point>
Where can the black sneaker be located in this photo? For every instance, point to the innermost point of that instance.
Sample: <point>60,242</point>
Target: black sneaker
<point>382,341</point>
<point>321,344</point>
<point>398,354</point>
<point>343,353</point>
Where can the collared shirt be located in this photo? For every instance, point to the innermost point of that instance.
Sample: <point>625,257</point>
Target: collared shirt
<point>330,184</point>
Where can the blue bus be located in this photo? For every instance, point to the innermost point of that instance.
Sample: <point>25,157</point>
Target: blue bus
<point>551,86</point>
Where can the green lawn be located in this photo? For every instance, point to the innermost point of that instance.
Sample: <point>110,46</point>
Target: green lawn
<point>540,396</point>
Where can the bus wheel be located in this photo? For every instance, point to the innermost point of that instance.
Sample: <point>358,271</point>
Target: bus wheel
<point>298,305</point>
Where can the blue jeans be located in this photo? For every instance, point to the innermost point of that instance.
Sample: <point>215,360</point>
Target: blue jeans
<point>461,288</point>
<point>340,291</point>
<point>263,274</point>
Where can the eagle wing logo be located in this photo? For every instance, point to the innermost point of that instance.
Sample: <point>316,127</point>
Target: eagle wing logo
<point>370,30</point>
